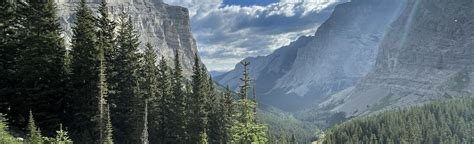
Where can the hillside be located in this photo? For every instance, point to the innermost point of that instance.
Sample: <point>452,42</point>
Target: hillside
<point>426,55</point>
<point>450,121</point>
<point>341,52</point>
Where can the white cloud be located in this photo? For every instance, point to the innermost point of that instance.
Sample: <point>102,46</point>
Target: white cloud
<point>227,34</point>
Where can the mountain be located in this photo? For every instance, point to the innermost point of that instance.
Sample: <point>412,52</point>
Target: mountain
<point>308,70</point>
<point>166,27</point>
<point>426,55</point>
<point>216,73</point>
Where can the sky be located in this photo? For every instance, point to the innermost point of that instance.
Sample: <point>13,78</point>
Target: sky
<point>228,31</point>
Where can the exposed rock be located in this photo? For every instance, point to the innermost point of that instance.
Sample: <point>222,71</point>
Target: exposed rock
<point>426,55</point>
<point>342,51</point>
<point>165,27</point>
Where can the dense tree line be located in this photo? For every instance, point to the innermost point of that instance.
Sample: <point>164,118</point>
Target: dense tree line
<point>106,88</point>
<point>440,122</point>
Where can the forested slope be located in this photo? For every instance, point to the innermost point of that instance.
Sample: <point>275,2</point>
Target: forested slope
<point>439,122</point>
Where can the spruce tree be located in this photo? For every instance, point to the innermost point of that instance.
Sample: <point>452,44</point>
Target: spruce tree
<point>198,103</point>
<point>105,45</point>
<point>41,66</point>
<point>245,129</point>
<point>127,115</point>
<point>216,116</point>
<point>108,128</point>
<point>227,106</point>
<point>106,41</point>
<point>5,136</point>
<point>102,102</point>
<point>62,137</point>
<point>162,110</point>
<point>149,89</point>
<point>86,77</point>
<point>34,133</point>
<point>9,41</point>
<point>178,132</point>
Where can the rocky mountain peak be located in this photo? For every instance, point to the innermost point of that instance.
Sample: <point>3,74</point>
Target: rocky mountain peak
<point>166,27</point>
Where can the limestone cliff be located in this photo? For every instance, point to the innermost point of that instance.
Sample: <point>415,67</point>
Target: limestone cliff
<point>166,27</point>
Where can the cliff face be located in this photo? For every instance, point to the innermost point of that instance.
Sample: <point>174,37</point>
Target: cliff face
<point>310,69</point>
<point>165,27</point>
<point>426,55</point>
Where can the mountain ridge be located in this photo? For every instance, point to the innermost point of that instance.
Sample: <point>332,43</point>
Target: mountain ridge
<point>310,69</point>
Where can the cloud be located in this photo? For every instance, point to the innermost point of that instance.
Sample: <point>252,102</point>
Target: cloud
<point>227,34</point>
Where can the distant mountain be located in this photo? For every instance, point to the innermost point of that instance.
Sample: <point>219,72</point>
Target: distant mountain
<point>166,27</point>
<point>342,51</point>
<point>216,73</point>
<point>427,54</point>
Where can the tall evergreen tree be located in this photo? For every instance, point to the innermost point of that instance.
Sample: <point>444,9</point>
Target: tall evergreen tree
<point>108,128</point>
<point>198,103</point>
<point>106,40</point>
<point>102,102</point>
<point>216,116</point>
<point>9,41</point>
<point>179,97</point>
<point>150,89</point>
<point>86,77</point>
<point>127,115</point>
<point>244,128</point>
<point>105,45</point>
<point>162,110</point>
<point>41,68</point>
<point>227,107</point>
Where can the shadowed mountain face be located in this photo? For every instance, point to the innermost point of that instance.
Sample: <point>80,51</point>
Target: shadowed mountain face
<point>342,51</point>
<point>166,27</point>
<point>426,55</point>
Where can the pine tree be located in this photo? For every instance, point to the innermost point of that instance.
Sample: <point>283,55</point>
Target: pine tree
<point>108,128</point>
<point>198,103</point>
<point>5,137</point>
<point>217,115</point>
<point>106,41</point>
<point>179,118</point>
<point>62,137</point>
<point>105,45</point>
<point>227,106</point>
<point>150,90</point>
<point>144,137</point>
<point>102,103</point>
<point>9,41</point>
<point>34,133</point>
<point>41,67</point>
<point>244,128</point>
<point>87,79</point>
<point>293,139</point>
<point>161,125</point>
<point>243,92</point>
<point>127,115</point>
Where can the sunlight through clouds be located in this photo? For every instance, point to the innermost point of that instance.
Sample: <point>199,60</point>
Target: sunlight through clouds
<point>230,33</point>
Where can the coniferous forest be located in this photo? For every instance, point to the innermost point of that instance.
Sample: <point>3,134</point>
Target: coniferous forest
<point>449,122</point>
<point>105,88</point>
<point>97,81</point>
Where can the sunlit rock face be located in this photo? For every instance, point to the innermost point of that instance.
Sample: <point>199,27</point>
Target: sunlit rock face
<point>427,54</point>
<point>166,27</point>
<point>342,51</point>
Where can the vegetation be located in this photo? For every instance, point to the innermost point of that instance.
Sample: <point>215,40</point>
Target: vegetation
<point>105,89</point>
<point>440,122</point>
<point>283,126</point>
<point>5,137</point>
